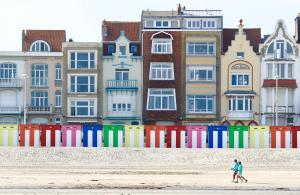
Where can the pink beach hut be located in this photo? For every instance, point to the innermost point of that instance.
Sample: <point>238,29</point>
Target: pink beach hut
<point>71,135</point>
<point>196,136</point>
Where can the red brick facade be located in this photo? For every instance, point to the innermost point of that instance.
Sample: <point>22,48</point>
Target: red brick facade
<point>150,117</point>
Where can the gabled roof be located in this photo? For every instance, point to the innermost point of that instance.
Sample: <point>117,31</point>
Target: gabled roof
<point>54,38</point>
<point>111,30</point>
<point>252,34</point>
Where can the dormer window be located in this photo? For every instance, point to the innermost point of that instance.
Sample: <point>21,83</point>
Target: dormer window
<point>289,49</point>
<point>271,49</point>
<point>40,46</point>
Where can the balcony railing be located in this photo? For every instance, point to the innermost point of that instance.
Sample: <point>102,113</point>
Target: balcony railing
<point>240,115</point>
<point>280,109</point>
<point>10,110</point>
<point>11,82</point>
<point>131,113</point>
<point>39,109</point>
<point>121,84</point>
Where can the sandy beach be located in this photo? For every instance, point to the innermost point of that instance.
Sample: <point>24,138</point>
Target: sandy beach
<point>146,171</point>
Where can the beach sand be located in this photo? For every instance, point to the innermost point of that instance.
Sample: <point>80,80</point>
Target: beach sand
<point>147,171</point>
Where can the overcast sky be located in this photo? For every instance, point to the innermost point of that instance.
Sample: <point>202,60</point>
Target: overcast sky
<point>82,18</point>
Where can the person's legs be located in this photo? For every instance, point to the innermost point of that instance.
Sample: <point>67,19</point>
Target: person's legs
<point>234,175</point>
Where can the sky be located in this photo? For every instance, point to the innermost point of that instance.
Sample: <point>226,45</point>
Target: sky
<point>82,18</point>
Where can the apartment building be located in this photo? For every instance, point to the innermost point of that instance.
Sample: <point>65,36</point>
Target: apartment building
<point>240,76</point>
<point>181,51</point>
<point>11,87</point>
<point>82,76</point>
<point>123,76</point>
<point>280,68</point>
<point>42,72</point>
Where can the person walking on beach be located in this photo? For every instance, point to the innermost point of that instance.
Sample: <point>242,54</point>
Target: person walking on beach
<point>240,173</point>
<point>235,169</point>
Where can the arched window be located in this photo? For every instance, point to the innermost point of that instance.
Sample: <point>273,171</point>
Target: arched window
<point>57,98</point>
<point>271,48</point>
<point>58,72</point>
<point>40,46</point>
<point>289,48</point>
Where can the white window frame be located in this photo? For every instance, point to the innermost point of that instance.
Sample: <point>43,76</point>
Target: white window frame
<point>58,71</point>
<point>195,68</point>
<point>40,99</point>
<point>237,77</point>
<point>76,60</point>
<point>161,69</point>
<point>89,83</point>
<point>37,81</point>
<point>119,107</point>
<point>192,22</point>
<point>73,103</point>
<point>58,99</point>
<point>197,97</point>
<point>36,46</point>
<point>234,99</point>
<point>167,45</point>
<point>162,21</point>
<point>205,23</point>
<point>207,43</point>
<point>8,72</point>
<point>161,98</point>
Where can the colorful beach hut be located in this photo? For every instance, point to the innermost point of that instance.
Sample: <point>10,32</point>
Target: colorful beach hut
<point>113,135</point>
<point>196,136</point>
<point>92,135</point>
<point>176,136</point>
<point>50,135</point>
<point>9,135</point>
<point>30,135</point>
<point>259,136</point>
<point>281,136</point>
<point>71,135</point>
<point>155,136</point>
<point>217,136</point>
<point>134,136</point>
<point>296,136</point>
<point>238,136</point>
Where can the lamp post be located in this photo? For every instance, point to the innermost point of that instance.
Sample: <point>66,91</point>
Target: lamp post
<point>276,96</point>
<point>25,77</point>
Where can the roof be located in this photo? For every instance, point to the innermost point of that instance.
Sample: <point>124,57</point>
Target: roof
<point>111,30</point>
<point>245,92</point>
<point>54,38</point>
<point>252,34</point>
<point>288,83</point>
<point>160,13</point>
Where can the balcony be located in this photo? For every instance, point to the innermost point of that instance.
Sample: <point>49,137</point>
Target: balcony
<point>122,84</point>
<point>240,115</point>
<point>11,83</point>
<point>122,114</point>
<point>10,110</point>
<point>280,109</point>
<point>39,109</point>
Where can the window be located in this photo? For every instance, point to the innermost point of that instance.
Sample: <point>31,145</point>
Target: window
<point>240,103</point>
<point>162,24</point>
<point>200,104</point>
<point>111,48</point>
<point>122,50</point>
<point>280,70</point>
<point>39,75</point>
<point>271,48</point>
<point>270,71</point>
<point>8,71</point>
<point>57,72</point>
<point>83,108</point>
<point>40,46</point>
<point>201,48</point>
<point>200,74</point>
<point>161,99</point>
<point>57,98</point>
<point>194,24</point>
<point>209,24</point>
<point>240,55</point>
<point>289,48</point>
<point>39,98</point>
<point>121,107</point>
<point>290,71</point>
<point>82,60</point>
<point>239,79</point>
<point>57,121</point>
<point>279,49</point>
<point>162,46</point>
<point>122,74</point>
<point>134,49</point>
<point>82,84</point>
<point>161,71</point>
<point>149,23</point>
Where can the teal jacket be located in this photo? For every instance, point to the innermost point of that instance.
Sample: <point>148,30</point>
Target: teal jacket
<point>235,167</point>
<point>240,169</point>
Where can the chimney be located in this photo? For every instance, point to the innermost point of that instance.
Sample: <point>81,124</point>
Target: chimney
<point>71,40</point>
<point>179,9</point>
<point>104,29</point>
<point>297,28</point>
<point>23,39</point>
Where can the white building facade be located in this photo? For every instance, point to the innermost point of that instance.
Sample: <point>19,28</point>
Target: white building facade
<point>280,69</point>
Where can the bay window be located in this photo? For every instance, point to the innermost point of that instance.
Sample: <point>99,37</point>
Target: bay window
<point>82,59</point>
<point>201,48</point>
<point>240,103</point>
<point>200,74</point>
<point>83,108</point>
<point>82,84</point>
<point>161,99</point>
